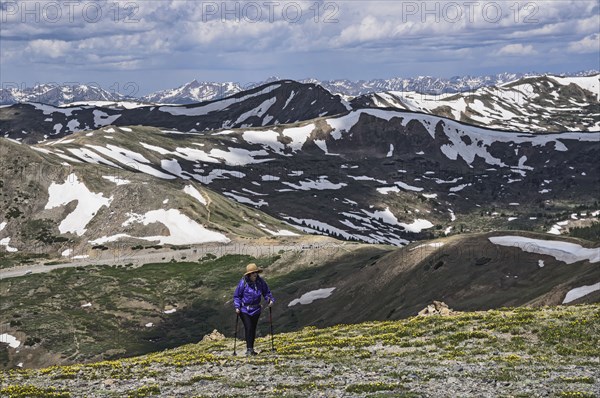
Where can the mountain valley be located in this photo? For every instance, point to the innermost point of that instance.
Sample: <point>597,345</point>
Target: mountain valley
<point>123,228</point>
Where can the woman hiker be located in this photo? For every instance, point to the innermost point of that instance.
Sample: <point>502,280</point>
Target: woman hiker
<point>246,300</point>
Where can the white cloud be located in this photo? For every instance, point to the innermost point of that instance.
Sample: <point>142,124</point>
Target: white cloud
<point>369,29</point>
<point>589,44</point>
<point>581,26</point>
<point>517,49</point>
<point>401,27</point>
<point>237,35</point>
<point>362,39</point>
<point>48,48</point>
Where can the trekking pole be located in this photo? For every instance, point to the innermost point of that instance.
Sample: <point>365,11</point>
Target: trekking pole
<point>271,322</point>
<point>237,319</point>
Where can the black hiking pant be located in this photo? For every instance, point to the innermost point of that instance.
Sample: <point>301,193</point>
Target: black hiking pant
<point>250,322</point>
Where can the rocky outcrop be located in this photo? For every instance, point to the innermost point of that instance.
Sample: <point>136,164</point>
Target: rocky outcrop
<point>437,308</point>
<point>215,335</point>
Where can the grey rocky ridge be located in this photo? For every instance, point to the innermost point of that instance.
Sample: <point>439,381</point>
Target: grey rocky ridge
<point>123,230</point>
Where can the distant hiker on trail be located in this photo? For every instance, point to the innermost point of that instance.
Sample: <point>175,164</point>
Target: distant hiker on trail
<point>246,300</point>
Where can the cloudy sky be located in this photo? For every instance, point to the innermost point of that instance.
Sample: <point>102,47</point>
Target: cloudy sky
<point>148,45</point>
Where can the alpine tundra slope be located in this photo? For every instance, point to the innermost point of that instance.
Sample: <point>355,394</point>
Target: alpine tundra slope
<point>355,213</point>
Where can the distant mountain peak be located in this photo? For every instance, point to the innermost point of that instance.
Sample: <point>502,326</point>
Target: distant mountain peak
<point>271,79</point>
<point>196,90</point>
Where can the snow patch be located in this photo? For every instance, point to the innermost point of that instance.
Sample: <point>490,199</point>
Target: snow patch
<point>10,340</point>
<point>390,152</point>
<point>563,251</point>
<point>266,138</point>
<point>579,292</point>
<point>269,178</point>
<point>117,180</point>
<point>245,200</point>
<point>281,232</point>
<point>73,125</point>
<point>194,193</point>
<point>90,156</point>
<point>321,184</point>
<point>131,159</point>
<point>387,190</point>
<point>408,187</point>
<point>182,229</point>
<point>103,119</point>
<point>206,108</point>
<point>299,135</point>
<point>389,218</point>
<point>435,245</point>
<point>88,203</point>
<point>5,242</point>
<point>256,112</point>
<point>308,298</point>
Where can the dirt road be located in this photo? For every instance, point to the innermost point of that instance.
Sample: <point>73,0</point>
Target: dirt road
<point>139,257</point>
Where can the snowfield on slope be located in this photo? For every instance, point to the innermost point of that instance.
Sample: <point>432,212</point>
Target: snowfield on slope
<point>88,203</point>
<point>563,251</point>
<point>182,229</point>
<point>308,298</point>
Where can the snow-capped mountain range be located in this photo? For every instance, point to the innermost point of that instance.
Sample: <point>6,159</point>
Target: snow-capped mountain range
<point>275,103</point>
<point>529,104</point>
<point>532,105</point>
<point>55,94</point>
<point>196,91</point>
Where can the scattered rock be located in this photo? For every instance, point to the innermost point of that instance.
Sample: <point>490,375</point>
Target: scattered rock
<point>437,308</point>
<point>213,336</point>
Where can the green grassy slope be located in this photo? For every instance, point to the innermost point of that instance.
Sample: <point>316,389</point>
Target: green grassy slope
<point>510,352</point>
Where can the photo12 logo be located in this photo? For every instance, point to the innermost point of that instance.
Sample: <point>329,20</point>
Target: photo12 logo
<point>469,11</point>
<point>269,11</point>
<point>54,12</point>
<point>44,92</point>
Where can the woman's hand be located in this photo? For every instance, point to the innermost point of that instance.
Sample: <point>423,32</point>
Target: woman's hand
<point>237,311</point>
<point>270,303</point>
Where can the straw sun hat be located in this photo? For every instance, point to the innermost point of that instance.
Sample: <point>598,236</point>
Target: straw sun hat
<point>250,268</point>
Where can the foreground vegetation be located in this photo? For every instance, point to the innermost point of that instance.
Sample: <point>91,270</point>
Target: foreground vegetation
<point>550,351</point>
<point>101,312</point>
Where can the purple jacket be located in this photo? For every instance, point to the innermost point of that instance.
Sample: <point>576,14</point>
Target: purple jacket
<point>247,295</point>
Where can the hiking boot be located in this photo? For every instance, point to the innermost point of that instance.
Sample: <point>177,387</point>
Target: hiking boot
<point>251,352</point>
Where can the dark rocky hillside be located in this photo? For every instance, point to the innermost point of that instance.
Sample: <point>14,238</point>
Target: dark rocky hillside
<point>270,104</point>
<point>374,176</point>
